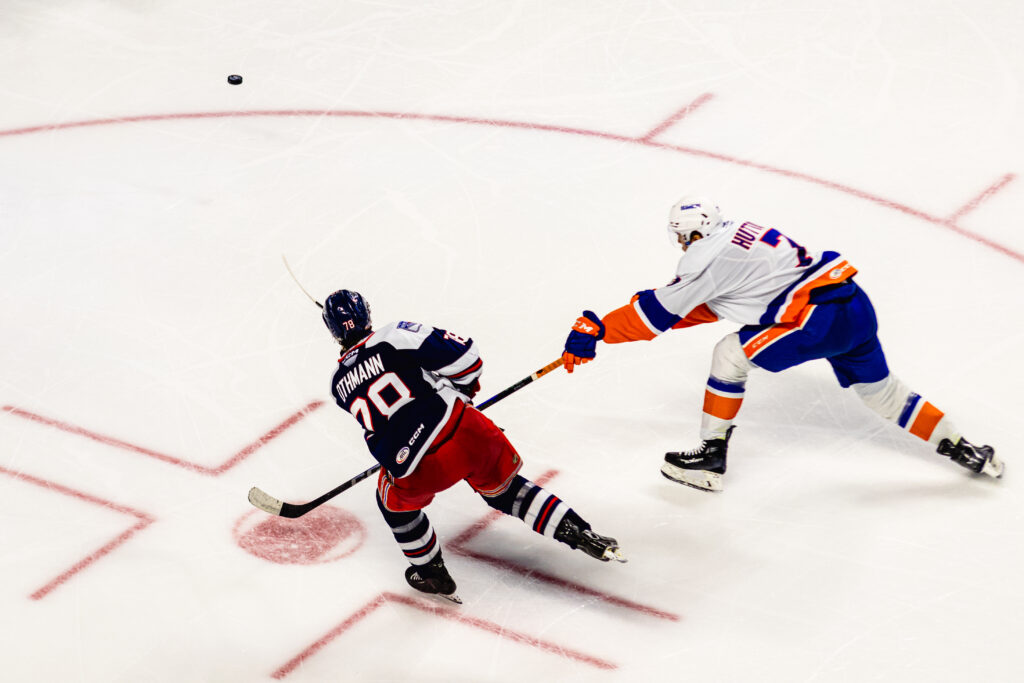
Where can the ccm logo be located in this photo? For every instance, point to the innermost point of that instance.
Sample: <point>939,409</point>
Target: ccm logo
<point>415,435</point>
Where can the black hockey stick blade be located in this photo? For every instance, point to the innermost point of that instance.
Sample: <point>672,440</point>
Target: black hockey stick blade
<point>264,501</point>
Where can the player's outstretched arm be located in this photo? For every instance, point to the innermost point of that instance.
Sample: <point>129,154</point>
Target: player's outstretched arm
<point>642,319</point>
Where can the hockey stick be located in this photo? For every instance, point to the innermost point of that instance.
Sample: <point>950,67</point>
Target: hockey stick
<point>268,503</point>
<point>299,283</point>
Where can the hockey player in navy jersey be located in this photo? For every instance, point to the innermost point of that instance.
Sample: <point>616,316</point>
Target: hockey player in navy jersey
<point>794,306</point>
<point>410,387</point>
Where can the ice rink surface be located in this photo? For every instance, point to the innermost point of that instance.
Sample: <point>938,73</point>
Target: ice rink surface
<point>494,168</point>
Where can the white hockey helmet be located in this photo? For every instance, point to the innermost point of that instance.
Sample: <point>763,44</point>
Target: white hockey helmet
<point>692,214</point>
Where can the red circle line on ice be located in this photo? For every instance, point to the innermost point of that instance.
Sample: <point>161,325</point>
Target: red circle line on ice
<point>648,139</point>
<point>325,535</point>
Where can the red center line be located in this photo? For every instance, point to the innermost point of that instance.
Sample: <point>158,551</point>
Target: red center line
<point>202,469</point>
<point>677,117</point>
<point>458,546</point>
<point>647,141</point>
<point>449,613</point>
<point>143,518</point>
<point>266,438</point>
<point>348,623</point>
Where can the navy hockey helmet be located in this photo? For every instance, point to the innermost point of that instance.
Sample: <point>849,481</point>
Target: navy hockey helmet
<point>347,316</point>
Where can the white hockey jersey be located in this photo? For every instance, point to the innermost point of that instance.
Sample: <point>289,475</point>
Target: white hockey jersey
<point>742,272</point>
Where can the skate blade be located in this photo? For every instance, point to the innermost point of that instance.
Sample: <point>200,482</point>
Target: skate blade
<point>698,479</point>
<point>614,553</point>
<point>993,467</point>
<point>451,598</point>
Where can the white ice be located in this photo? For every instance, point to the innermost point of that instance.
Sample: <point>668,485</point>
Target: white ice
<point>522,173</point>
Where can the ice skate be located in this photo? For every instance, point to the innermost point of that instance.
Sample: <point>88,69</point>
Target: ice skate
<point>603,548</point>
<point>978,459</point>
<point>576,533</point>
<point>702,468</point>
<point>433,578</point>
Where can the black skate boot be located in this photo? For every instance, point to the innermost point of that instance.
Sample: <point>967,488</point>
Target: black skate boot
<point>978,459</point>
<point>702,468</point>
<point>576,534</point>
<point>433,578</point>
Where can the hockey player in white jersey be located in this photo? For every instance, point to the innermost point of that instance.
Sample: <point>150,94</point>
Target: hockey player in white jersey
<point>794,305</point>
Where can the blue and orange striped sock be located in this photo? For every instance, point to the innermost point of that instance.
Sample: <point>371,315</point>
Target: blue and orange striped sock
<point>722,401</point>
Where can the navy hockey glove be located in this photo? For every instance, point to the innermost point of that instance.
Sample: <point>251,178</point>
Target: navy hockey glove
<point>581,344</point>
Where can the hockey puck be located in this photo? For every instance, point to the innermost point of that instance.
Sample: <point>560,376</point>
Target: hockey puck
<point>234,79</point>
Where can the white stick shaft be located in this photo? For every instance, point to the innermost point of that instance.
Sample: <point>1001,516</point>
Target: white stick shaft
<point>299,283</point>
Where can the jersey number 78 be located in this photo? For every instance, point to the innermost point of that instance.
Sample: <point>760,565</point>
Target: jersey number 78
<point>363,410</point>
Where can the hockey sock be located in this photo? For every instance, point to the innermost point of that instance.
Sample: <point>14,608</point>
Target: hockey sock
<point>413,532</point>
<point>894,401</point>
<point>726,386</point>
<point>722,401</point>
<point>541,510</point>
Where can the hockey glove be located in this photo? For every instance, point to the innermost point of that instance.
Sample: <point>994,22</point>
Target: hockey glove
<point>581,344</point>
<point>470,390</point>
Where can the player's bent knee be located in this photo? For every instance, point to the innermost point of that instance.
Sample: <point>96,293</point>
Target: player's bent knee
<point>505,500</point>
<point>728,362</point>
<point>886,397</point>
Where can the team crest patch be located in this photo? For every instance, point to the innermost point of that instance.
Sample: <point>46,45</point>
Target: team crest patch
<point>403,455</point>
<point>412,327</point>
<point>838,272</point>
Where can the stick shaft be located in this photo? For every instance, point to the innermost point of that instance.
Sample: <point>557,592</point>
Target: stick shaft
<point>299,283</point>
<point>276,507</point>
<point>290,510</point>
<point>520,384</point>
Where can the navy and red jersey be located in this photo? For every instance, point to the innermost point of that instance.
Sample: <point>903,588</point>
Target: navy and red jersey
<point>401,383</point>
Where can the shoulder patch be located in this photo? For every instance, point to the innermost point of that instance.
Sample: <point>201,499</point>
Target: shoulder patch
<point>412,327</point>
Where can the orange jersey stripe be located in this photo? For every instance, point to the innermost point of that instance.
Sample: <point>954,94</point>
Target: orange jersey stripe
<point>841,272</point>
<point>761,341</point>
<point>924,423</point>
<point>624,324</point>
<point>720,406</point>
